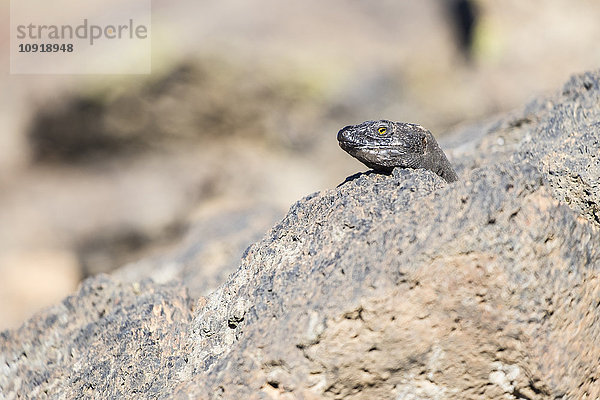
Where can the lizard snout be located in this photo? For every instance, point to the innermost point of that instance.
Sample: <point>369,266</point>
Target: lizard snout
<point>344,135</point>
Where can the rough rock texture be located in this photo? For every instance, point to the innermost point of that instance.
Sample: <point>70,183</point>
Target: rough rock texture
<point>107,339</point>
<point>394,287</point>
<point>473,297</point>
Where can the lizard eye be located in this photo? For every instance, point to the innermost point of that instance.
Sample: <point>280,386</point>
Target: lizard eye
<point>382,130</point>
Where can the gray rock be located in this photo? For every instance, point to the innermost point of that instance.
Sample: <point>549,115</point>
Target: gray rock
<point>384,304</point>
<point>398,286</point>
<point>108,340</point>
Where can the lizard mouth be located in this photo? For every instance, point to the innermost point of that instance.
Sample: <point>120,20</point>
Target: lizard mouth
<point>346,143</point>
<point>358,146</point>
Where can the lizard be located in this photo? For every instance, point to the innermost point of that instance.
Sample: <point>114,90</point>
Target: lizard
<point>383,145</point>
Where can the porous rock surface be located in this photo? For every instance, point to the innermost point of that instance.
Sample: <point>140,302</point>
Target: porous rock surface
<point>391,287</point>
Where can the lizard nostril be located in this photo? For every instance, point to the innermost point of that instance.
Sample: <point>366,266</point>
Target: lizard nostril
<point>343,133</point>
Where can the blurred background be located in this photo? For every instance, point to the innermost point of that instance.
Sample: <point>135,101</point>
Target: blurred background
<point>238,120</point>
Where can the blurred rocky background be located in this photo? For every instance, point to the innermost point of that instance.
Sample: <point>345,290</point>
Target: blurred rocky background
<point>238,120</point>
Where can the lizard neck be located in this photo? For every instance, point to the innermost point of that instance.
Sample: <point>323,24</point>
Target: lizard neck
<point>436,161</point>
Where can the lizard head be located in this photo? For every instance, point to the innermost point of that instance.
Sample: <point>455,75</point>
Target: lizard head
<point>383,145</point>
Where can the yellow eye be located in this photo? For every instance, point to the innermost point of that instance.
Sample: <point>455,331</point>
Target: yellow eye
<point>382,130</point>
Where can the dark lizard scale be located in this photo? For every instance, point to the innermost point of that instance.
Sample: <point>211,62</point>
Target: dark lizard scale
<point>383,145</point>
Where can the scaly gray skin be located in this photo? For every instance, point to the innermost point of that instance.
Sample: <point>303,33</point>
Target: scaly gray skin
<point>383,145</point>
